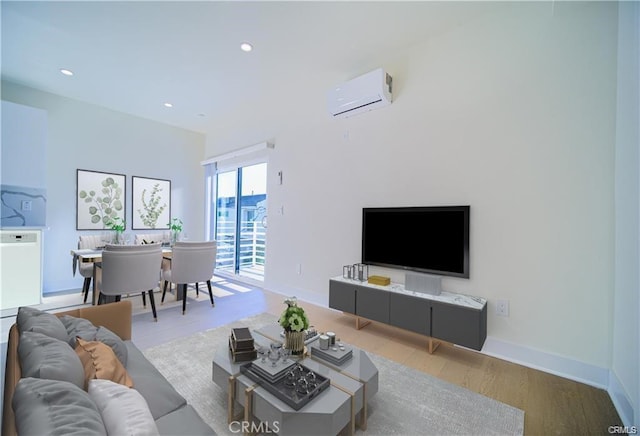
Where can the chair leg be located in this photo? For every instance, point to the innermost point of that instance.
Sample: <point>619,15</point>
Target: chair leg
<point>144,300</point>
<point>153,305</point>
<point>197,291</point>
<point>164,291</point>
<point>184,298</point>
<point>102,299</point>
<point>85,288</point>
<point>210,293</point>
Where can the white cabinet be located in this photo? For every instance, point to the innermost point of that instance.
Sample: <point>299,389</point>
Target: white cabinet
<point>20,268</point>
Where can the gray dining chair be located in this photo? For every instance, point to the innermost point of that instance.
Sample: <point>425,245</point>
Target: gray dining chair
<point>148,238</point>
<point>191,262</point>
<point>85,269</point>
<point>143,247</point>
<point>131,268</point>
<point>152,238</point>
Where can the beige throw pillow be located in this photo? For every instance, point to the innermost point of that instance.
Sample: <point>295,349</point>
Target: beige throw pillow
<point>124,411</point>
<point>99,361</point>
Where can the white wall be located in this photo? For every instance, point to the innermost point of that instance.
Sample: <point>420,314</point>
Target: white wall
<point>513,114</point>
<point>90,137</point>
<point>625,385</point>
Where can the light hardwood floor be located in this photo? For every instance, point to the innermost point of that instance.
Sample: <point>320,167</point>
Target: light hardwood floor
<point>552,404</point>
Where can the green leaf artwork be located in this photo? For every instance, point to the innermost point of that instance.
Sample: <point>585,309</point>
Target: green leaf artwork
<point>104,207</point>
<point>151,210</point>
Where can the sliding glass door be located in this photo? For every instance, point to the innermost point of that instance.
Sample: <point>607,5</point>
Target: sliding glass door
<point>225,221</point>
<point>241,220</point>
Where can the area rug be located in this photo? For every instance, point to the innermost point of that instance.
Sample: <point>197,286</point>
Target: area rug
<point>408,402</point>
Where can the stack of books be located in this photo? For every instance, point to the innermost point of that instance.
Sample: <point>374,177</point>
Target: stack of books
<point>241,345</point>
<point>333,354</point>
<point>271,373</point>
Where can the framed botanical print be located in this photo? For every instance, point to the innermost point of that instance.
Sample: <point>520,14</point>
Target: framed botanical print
<point>100,199</point>
<point>151,202</point>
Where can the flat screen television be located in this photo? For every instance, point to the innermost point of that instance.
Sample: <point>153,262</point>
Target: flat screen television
<point>433,240</point>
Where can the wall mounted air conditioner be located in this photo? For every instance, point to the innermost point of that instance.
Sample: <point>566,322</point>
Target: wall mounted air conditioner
<point>364,93</point>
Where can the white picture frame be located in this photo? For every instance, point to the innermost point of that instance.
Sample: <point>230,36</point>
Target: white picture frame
<point>151,203</point>
<point>100,197</point>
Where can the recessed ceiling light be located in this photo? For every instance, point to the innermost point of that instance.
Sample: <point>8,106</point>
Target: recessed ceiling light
<point>245,46</point>
<point>66,72</point>
<point>168,105</point>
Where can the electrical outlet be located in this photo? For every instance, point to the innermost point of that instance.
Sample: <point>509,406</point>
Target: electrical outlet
<point>502,307</point>
<point>26,205</point>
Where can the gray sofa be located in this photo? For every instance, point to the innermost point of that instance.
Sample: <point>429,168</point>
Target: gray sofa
<point>47,389</point>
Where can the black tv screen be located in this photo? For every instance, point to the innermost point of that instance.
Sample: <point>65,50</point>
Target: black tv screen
<point>432,240</point>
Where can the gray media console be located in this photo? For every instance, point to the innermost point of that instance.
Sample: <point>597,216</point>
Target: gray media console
<point>454,318</point>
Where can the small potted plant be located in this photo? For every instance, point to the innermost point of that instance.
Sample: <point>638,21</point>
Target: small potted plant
<point>176,227</point>
<point>118,225</point>
<point>295,322</point>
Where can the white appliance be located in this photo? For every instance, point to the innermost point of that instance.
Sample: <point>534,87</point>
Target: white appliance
<point>20,268</point>
<point>364,93</point>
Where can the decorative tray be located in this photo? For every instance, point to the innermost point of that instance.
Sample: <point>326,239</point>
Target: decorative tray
<point>333,354</point>
<point>269,372</point>
<point>295,392</point>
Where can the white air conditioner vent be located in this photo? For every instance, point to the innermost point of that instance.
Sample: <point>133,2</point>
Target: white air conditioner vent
<point>364,93</point>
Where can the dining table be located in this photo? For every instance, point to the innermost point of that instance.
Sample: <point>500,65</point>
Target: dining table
<point>94,255</point>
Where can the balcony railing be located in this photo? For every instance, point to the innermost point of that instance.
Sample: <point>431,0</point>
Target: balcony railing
<point>252,245</point>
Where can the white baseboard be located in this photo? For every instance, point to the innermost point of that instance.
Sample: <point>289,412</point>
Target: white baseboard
<point>547,362</point>
<point>562,366</point>
<point>301,295</point>
<point>621,401</point>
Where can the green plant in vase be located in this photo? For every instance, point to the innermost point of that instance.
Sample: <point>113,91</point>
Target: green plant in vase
<point>175,226</point>
<point>295,322</point>
<point>118,225</point>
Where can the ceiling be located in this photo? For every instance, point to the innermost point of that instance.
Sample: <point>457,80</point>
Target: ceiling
<point>135,56</point>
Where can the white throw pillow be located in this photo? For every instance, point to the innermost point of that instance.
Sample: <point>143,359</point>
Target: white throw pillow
<point>124,411</point>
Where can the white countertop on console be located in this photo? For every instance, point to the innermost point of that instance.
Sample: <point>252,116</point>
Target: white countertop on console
<point>25,228</point>
<point>445,296</point>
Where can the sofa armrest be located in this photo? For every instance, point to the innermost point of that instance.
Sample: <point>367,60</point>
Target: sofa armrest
<point>11,378</point>
<point>116,317</point>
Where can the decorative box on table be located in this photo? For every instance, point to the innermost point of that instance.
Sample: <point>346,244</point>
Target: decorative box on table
<point>242,338</point>
<point>379,280</point>
<point>241,345</point>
